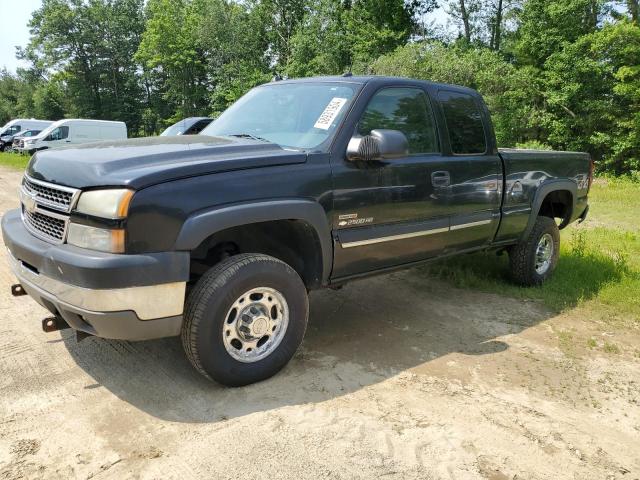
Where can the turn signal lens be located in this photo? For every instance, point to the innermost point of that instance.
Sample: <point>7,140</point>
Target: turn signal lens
<point>93,238</point>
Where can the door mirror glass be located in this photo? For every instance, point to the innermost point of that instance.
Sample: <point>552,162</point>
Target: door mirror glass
<point>380,144</point>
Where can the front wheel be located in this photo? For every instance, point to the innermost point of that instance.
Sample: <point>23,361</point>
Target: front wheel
<point>245,319</point>
<point>534,259</point>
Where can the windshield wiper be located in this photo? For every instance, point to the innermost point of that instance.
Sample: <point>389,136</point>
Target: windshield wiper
<point>248,135</point>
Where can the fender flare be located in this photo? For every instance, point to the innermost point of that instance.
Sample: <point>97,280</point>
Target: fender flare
<point>205,223</point>
<point>545,189</point>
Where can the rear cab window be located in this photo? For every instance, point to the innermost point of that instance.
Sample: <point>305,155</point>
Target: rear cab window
<point>464,121</point>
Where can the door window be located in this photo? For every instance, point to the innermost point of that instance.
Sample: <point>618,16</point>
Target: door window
<point>405,109</point>
<point>59,133</point>
<point>464,123</point>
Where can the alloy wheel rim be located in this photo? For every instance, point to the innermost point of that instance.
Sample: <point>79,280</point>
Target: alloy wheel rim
<point>255,324</point>
<point>544,254</point>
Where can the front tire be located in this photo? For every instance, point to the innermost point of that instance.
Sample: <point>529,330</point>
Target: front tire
<point>245,319</point>
<point>535,258</point>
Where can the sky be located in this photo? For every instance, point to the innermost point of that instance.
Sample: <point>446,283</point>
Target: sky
<point>15,32</point>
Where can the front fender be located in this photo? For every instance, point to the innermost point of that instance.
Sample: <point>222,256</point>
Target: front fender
<point>205,223</point>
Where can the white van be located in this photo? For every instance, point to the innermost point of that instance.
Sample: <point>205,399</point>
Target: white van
<point>75,131</point>
<point>18,125</point>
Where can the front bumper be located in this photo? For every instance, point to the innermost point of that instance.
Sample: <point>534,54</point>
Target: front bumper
<point>132,297</point>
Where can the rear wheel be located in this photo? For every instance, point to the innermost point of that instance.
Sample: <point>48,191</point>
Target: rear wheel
<point>245,319</point>
<point>534,259</point>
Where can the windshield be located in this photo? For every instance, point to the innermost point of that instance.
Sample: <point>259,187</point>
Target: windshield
<point>296,115</point>
<point>5,128</point>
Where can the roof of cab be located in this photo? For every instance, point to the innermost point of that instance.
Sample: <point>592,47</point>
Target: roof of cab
<point>377,79</point>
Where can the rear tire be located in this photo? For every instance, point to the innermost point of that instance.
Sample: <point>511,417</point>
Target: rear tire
<point>245,319</point>
<point>535,258</point>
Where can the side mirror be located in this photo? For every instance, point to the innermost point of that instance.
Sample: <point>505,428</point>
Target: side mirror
<point>380,144</point>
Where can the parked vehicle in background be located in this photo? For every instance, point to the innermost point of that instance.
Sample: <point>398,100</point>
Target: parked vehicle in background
<point>18,140</point>
<point>12,128</point>
<point>300,185</point>
<point>75,131</point>
<point>188,126</point>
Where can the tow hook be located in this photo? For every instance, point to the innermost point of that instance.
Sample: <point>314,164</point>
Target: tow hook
<point>53,324</point>
<point>17,290</point>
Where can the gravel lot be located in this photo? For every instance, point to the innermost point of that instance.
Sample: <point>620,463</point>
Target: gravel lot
<point>399,377</point>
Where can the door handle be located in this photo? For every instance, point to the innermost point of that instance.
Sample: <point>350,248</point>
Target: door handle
<point>440,178</point>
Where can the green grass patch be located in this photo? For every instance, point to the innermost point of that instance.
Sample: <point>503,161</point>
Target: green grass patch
<point>14,160</point>
<point>614,202</point>
<point>599,265</point>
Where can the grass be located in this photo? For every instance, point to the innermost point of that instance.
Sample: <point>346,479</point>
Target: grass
<point>14,160</point>
<point>615,202</point>
<point>599,265</point>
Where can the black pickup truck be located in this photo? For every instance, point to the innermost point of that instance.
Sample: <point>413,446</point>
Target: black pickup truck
<point>299,185</point>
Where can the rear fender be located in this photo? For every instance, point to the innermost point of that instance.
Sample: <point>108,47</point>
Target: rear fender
<point>545,189</point>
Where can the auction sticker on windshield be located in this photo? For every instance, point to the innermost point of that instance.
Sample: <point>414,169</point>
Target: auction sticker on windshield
<point>330,113</point>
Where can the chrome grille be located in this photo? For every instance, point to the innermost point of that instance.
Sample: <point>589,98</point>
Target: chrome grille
<point>52,196</point>
<point>44,225</point>
<point>45,208</point>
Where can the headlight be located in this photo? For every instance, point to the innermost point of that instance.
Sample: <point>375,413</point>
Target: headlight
<point>102,239</point>
<point>112,203</point>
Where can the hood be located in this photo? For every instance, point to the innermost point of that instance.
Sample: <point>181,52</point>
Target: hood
<point>141,162</point>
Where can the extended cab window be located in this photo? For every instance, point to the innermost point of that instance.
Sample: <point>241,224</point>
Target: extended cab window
<point>464,123</point>
<point>405,109</point>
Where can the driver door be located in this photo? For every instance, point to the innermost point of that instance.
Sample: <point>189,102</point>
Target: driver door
<point>384,211</point>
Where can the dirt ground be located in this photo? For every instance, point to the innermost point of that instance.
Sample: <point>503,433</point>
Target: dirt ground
<point>399,376</point>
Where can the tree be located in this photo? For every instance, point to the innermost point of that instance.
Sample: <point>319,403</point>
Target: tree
<point>507,90</point>
<point>173,59</point>
<point>91,45</point>
<point>633,6</point>
<point>603,71</point>
<point>281,19</point>
<point>376,27</point>
<point>466,14</point>
<point>234,43</point>
<point>320,46</point>
<point>545,26</point>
